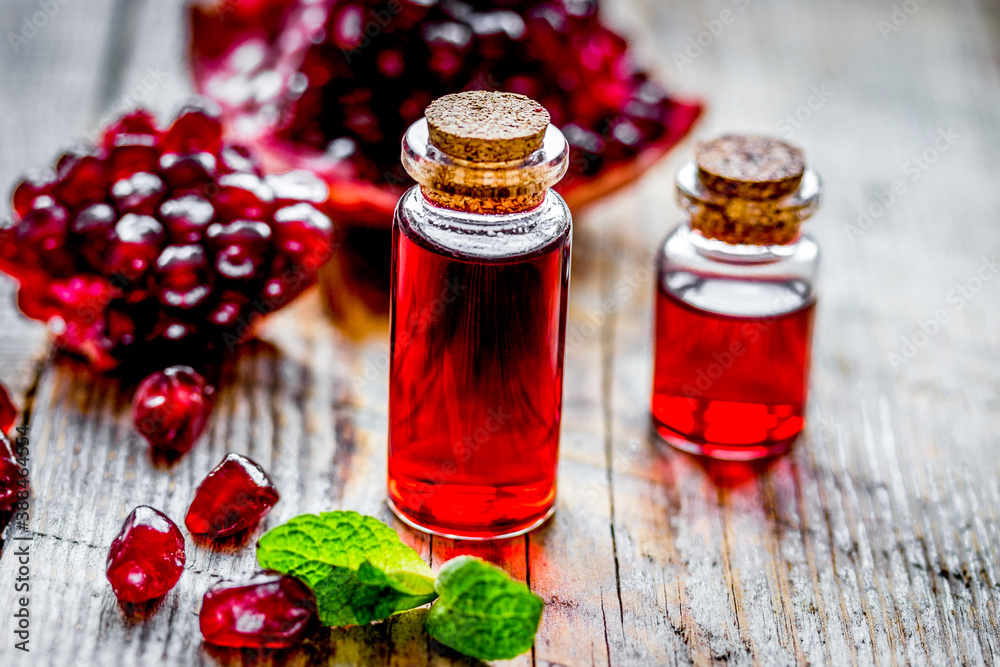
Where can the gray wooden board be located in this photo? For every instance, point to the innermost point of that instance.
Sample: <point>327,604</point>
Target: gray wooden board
<point>874,542</point>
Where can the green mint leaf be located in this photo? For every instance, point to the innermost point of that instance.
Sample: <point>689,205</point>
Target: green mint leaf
<point>482,612</point>
<point>356,565</point>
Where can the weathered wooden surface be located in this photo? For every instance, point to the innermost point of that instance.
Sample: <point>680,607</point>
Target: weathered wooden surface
<point>875,542</point>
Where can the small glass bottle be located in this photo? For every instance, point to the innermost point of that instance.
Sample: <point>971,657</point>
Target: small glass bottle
<point>735,302</point>
<point>481,256</point>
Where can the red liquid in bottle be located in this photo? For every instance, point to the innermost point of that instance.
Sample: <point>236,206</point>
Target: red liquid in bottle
<point>475,388</point>
<point>726,386</point>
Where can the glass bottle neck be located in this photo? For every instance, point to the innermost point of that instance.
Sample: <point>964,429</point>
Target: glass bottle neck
<point>482,205</point>
<point>721,251</point>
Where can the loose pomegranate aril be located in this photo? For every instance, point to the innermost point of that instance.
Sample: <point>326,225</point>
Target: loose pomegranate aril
<point>171,408</point>
<point>8,413</point>
<point>234,497</point>
<point>140,193</point>
<point>124,229</point>
<point>147,558</point>
<point>267,611</point>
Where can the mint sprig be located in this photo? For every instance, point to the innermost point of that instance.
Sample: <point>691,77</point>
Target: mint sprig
<point>356,565</point>
<point>360,571</point>
<point>482,612</point>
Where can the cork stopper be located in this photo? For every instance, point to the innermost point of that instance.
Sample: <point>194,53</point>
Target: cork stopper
<point>750,167</point>
<point>748,190</point>
<point>486,127</point>
<point>486,153</point>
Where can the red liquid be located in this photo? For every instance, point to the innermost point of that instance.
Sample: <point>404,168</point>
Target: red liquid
<point>475,387</point>
<point>730,387</point>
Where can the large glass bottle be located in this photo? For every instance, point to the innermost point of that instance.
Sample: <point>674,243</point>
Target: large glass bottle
<point>481,255</point>
<point>735,302</point>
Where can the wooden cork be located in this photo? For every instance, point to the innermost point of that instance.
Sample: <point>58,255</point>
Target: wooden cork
<point>483,126</point>
<point>749,167</point>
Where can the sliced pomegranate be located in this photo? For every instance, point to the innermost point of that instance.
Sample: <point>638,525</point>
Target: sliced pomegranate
<point>266,611</point>
<point>234,497</point>
<point>147,558</point>
<point>331,85</point>
<point>171,408</point>
<point>114,249</point>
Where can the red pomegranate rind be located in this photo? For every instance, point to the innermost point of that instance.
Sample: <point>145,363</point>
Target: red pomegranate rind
<point>147,558</point>
<point>617,120</point>
<point>267,611</point>
<point>114,251</point>
<point>234,497</point>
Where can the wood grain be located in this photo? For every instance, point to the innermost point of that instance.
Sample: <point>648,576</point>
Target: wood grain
<point>876,542</point>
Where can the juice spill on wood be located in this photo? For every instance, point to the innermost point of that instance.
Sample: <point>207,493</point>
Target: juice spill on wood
<point>730,387</point>
<point>476,387</point>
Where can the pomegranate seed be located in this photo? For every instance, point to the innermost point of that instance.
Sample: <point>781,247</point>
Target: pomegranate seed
<point>298,186</point>
<point>304,234</point>
<point>182,276</point>
<point>8,413</point>
<point>136,127</point>
<point>267,611</point>
<point>35,183</point>
<point>171,407</point>
<point>139,193</point>
<point>234,497</point>
<point>242,248</point>
<point>124,161</point>
<point>133,246</point>
<point>188,171</point>
<point>195,128</point>
<point>147,558</point>
<point>92,227</point>
<point>81,179</point>
<point>231,305</point>
<point>243,196</point>
<point>187,218</point>
<point>44,227</point>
